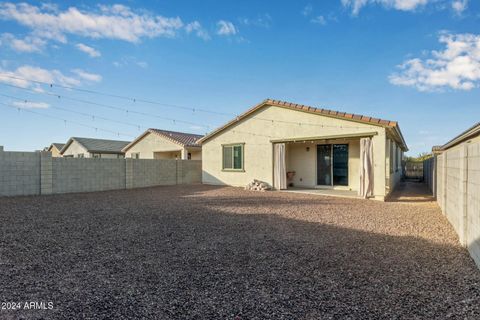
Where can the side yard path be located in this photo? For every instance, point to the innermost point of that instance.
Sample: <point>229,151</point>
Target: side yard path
<point>205,252</point>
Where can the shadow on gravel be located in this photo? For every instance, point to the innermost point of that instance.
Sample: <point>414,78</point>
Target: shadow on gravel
<point>170,253</point>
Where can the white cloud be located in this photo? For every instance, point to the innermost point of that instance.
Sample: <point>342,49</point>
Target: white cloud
<point>196,27</point>
<point>406,5</point>
<point>92,77</point>
<point>226,28</point>
<point>456,67</point>
<point>31,74</point>
<point>113,22</point>
<point>264,21</point>
<point>125,61</point>
<point>27,44</point>
<point>31,105</point>
<point>319,20</point>
<point>403,5</point>
<point>459,6</point>
<point>92,52</point>
<point>307,10</point>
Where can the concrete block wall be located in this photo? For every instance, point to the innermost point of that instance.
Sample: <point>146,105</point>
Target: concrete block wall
<point>457,186</point>
<point>34,173</point>
<point>87,174</point>
<point>147,172</point>
<point>19,173</point>
<point>191,172</point>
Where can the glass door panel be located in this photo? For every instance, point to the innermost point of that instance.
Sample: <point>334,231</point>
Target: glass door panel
<point>324,164</point>
<point>340,164</point>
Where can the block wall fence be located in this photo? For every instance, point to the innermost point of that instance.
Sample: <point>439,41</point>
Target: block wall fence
<point>37,173</point>
<point>454,176</point>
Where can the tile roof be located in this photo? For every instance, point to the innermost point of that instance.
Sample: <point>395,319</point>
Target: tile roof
<point>98,145</point>
<point>185,139</point>
<point>320,111</point>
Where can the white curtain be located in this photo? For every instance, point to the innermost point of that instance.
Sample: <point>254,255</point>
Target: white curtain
<point>279,167</point>
<point>366,168</point>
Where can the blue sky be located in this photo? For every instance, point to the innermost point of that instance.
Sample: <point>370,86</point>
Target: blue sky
<point>413,61</point>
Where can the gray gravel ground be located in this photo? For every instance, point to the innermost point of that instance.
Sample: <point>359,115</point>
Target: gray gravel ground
<point>203,252</point>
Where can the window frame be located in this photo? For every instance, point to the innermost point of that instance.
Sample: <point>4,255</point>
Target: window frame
<point>233,145</point>
<point>135,155</point>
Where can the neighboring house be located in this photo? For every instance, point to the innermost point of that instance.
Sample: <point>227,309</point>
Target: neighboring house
<point>318,148</point>
<point>163,144</point>
<point>93,148</point>
<point>55,149</point>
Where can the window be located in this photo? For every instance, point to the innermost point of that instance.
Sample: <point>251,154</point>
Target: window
<point>136,155</point>
<point>233,157</point>
<point>80,155</point>
<point>189,156</point>
<point>96,155</point>
<point>120,156</point>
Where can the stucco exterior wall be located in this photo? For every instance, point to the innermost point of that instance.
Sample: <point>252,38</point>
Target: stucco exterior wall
<point>153,143</point>
<point>258,153</point>
<point>304,162</point>
<point>55,152</point>
<point>74,149</point>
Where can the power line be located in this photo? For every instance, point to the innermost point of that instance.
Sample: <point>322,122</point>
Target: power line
<point>93,116</point>
<point>131,99</point>
<point>103,105</point>
<point>273,121</point>
<point>66,121</point>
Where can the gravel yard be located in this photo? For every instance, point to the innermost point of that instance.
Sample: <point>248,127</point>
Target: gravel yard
<point>204,252</point>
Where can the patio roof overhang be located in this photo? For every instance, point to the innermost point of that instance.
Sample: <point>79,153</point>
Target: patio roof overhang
<point>330,137</point>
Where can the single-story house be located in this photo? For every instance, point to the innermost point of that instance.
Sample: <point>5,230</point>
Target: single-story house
<point>93,148</point>
<point>55,149</point>
<point>163,144</point>
<point>290,145</point>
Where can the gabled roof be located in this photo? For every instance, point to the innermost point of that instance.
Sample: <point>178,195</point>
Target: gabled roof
<point>181,138</point>
<point>97,145</point>
<point>59,146</point>
<point>466,135</point>
<point>393,125</point>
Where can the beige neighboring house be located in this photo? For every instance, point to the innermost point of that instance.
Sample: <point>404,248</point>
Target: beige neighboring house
<point>163,144</point>
<point>55,149</point>
<point>315,148</point>
<point>93,148</point>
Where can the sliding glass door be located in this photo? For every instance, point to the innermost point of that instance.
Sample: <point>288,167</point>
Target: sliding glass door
<point>332,164</point>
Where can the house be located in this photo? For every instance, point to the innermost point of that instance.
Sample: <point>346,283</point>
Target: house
<point>290,145</point>
<point>163,144</point>
<point>55,149</point>
<point>93,148</point>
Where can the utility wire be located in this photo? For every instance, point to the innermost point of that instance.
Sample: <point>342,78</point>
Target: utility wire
<point>273,121</point>
<point>65,120</point>
<point>103,105</point>
<point>92,116</point>
<point>131,99</point>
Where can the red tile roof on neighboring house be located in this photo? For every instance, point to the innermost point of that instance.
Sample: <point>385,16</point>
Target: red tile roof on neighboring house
<point>320,111</point>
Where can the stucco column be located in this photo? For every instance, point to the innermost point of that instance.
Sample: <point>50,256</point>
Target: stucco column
<point>184,154</point>
<point>379,169</point>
